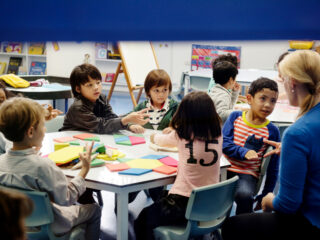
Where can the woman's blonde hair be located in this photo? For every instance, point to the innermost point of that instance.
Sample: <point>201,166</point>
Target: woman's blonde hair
<point>304,67</point>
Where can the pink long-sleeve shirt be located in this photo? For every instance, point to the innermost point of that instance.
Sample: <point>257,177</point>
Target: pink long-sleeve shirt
<point>199,162</point>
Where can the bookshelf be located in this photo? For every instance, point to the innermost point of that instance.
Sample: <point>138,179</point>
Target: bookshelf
<point>26,57</point>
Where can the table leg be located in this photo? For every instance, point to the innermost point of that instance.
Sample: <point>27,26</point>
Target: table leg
<point>122,216</point>
<point>53,103</point>
<point>65,105</point>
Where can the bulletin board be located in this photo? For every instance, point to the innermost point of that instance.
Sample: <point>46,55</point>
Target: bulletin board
<point>203,55</point>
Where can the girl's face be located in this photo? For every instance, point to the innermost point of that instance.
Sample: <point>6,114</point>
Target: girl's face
<point>3,96</point>
<point>159,95</point>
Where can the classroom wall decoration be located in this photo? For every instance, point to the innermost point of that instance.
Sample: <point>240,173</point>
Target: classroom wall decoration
<point>203,55</point>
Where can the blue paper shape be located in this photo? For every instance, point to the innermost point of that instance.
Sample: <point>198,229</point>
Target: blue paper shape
<point>135,171</point>
<point>152,156</point>
<point>122,139</point>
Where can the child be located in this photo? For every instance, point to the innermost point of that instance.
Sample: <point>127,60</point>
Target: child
<point>243,144</point>
<point>22,122</point>
<point>158,87</point>
<point>226,57</point>
<point>226,91</point>
<point>197,134</point>
<point>4,93</point>
<point>90,110</point>
<point>14,208</point>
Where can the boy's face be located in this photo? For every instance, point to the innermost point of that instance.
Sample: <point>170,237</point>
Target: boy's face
<point>263,102</point>
<point>91,90</point>
<point>159,95</point>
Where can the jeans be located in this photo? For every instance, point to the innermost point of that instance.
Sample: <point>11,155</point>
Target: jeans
<point>245,192</point>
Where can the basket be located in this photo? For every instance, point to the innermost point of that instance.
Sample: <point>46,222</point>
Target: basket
<point>301,44</point>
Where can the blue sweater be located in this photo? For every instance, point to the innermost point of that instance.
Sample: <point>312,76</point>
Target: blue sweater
<point>300,168</point>
<point>238,152</point>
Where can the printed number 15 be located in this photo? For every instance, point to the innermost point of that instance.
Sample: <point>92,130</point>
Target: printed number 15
<point>192,160</point>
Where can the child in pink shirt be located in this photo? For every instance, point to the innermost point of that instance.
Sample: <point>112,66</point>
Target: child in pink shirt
<point>197,134</point>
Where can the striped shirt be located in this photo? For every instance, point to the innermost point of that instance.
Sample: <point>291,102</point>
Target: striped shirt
<point>240,136</point>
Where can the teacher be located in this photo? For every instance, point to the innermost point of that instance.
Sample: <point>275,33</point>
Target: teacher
<point>294,213</point>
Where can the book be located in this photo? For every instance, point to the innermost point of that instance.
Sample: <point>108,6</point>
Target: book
<point>2,67</point>
<point>11,47</point>
<point>101,50</point>
<point>13,66</point>
<point>36,48</point>
<point>38,68</point>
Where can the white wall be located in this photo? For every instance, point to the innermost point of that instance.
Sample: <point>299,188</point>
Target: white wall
<point>174,57</point>
<point>70,54</point>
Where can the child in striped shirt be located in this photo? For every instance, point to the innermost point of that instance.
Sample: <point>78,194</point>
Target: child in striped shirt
<point>243,145</point>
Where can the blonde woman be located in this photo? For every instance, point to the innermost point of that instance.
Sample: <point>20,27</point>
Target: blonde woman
<point>294,213</point>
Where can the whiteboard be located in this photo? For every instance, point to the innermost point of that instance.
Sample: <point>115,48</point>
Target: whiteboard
<point>138,59</point>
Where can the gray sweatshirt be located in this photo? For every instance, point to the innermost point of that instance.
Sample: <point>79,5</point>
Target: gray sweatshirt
<point>224,100</point>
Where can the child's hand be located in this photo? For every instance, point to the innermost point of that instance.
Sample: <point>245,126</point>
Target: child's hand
<point>85,158</point>
<point>251,154</point>
<point>51,113</point>
<point>136,129</point>
<point>167,130</point>
<point>277,146</point>
<point>152,137</point>
<point>140,118</point>
<point>266,202</point>
<point>236,87</point>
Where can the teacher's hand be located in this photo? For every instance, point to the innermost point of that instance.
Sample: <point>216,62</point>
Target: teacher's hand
<point>277,146</point>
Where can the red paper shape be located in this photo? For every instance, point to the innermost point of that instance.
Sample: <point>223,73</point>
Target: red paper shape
<point>117,167</point>
<point>137,140</point>
<point>169,161</point>
<point>64,139</point>
<point>164,169</point>
<point>84,136</point>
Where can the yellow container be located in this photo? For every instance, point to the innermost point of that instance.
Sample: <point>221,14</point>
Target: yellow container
<point>301,44</point>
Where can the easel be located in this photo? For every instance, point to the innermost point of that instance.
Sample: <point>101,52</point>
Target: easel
<point>123,68</point>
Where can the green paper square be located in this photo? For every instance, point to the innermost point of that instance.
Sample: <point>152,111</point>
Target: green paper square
<point>127,143</point>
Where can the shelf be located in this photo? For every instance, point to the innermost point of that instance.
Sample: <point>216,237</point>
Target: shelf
<point>37,55</point>
<point>108,60</point>
<point>13,54</point>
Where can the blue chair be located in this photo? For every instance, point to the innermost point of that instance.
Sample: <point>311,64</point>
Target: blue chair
<point>38,223</point>
<point>207,209</point>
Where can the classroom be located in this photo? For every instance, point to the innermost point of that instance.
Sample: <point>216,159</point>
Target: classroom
<point>198,114</point>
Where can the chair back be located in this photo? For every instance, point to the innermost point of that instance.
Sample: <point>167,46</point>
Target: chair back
<point>263,169</point>
<point>211,202</point>
<point>207,209</point>
<point>55,124</point>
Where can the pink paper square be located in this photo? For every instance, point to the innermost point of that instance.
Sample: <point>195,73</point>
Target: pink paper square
<point>169,161</point>
<point>64,139</point>
<point>137,140</point>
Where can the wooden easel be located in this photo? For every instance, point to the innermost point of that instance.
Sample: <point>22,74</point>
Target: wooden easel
<point>124,68</point>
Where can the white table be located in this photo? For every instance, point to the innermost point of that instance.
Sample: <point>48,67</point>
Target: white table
<point>199,79</point>
<point>102,179</point>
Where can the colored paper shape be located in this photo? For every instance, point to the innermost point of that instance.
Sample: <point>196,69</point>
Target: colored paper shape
<point>144,163</point>
<point>153,156</point>
<point>137,140</point>
<point>124,159</point>
<point>164,169</point>
<point>97,162</point>
<point>66,154</point>
<point>99,147</point>
<point>83,136</point>
<point>127,143</point>
<point>74,143</point>
<point>121,139</point>
<point>117,167</point>
<point>63,139</point>
<point>135,171</point>
<point>95,138</point>
<point>58,146</point>
<point>169,161</point>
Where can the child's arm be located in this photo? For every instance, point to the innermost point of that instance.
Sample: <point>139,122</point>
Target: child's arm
<point>165,140</point>
<point>229,147</point>
<point>273,167</point>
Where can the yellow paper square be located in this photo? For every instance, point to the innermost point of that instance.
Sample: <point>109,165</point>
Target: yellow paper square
<point>144,163</point>
<point>66,154</point>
